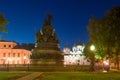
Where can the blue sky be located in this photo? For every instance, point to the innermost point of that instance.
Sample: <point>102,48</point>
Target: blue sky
<point>70,18</point>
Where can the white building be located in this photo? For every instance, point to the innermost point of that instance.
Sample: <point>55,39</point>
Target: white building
<point>75,57</point>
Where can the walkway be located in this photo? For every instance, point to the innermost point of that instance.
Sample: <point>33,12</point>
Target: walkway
<point>31,76</point>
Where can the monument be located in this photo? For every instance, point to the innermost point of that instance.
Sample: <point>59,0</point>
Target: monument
<point>47,49</point>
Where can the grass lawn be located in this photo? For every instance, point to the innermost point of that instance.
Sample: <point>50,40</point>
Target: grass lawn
<point>11,75</point>
<point>80,76</point>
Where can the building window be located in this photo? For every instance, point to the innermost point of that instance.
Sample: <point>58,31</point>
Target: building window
<point>9,46</point>
<point>4,45</point>
<point>4,55</point>
<point>13,54</point>
<point>18,54</point>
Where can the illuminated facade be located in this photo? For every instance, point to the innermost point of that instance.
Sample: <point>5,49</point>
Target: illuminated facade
<point>9,54</point>
<point>75,57</point>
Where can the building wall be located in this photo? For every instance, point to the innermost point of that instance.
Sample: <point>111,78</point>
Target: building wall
<point>8,55</point>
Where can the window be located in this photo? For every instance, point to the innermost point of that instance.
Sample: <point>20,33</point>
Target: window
<point>4,54</point>
<point>18,54</point>
<point>4,45</point>
<point>88,60</point>
<point>13,54</point>
<point>9,46</point>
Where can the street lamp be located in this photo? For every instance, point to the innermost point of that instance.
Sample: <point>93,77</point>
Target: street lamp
<point>92,47</point>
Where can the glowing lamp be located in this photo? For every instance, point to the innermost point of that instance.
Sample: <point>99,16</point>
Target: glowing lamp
<point>92,47</point>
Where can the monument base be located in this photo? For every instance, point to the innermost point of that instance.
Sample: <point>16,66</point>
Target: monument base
<point>46,57</point>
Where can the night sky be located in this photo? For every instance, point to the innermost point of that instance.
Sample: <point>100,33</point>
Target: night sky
<point>70,18</point>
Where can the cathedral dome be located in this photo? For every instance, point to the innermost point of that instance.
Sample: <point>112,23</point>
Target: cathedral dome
<point>79,43</point>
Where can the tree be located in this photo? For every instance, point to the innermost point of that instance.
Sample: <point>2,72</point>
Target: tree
<point>113,17</point>
<point>105,32</point>
<point>97,36</point>
<point>3,22</point>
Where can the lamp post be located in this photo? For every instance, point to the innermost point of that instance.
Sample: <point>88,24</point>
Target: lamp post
<point>92,48</point>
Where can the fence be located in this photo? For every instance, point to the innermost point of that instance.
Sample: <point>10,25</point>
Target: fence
<point>42,68</point>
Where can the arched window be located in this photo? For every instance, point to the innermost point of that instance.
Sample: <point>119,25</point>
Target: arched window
<point>9,46</point>
<point>4,54</point>
<point>18,54</point>
<point>13,54</point>
<point>4,46</point>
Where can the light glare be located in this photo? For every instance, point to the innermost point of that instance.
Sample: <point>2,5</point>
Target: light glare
<point>92,47</point>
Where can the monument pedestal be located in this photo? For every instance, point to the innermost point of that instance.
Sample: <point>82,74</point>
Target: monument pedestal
<point>47,57</point>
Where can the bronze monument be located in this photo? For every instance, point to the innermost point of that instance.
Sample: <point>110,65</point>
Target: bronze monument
<point>47,50</point>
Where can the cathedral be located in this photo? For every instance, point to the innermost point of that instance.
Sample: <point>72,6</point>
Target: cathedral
<point>75,57</point>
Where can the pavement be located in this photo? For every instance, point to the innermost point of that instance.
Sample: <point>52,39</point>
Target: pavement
<point>31,76</point>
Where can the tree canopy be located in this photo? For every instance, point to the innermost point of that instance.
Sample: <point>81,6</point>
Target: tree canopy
<point>3,23</point>
<point>105,33</point>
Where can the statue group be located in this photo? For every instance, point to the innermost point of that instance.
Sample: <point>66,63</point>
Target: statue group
<point>47,50</point>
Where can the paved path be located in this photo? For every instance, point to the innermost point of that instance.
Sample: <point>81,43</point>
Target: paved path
<point>31,76</point>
